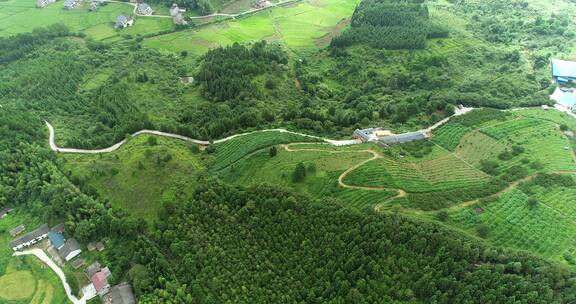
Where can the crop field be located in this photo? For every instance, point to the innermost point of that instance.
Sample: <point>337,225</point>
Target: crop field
<point>476,146</point>
<point>18,16</point>
<point>25,279</point>
<point>513,223</point>
<point>511,127</point>
<point>441,173</point>
<point>449,135</point>
<point>261,168</point>
<point>297,26</point>
<point>360,199</point>
<point>231,151</point>
<point>139,177</point>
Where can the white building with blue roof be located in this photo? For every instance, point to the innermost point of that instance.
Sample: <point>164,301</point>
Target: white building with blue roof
<point>566,99</point>
<point>563,71</point>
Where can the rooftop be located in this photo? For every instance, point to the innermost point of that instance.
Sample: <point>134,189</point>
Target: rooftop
<point>120,294</point>
<point>563,68</point>
<point>42,230</point>
<point>566,99</point>
<point>57,239</point>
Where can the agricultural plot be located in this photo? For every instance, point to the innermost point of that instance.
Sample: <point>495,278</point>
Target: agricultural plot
<point>232,150</point>
<point>139,177</point>
<point>442,173</point>
<point>511,222</point>
<point>449,135</point>
<point>476,146</point>
<point>509,128</point>
<point>18,16</point>
<point>297,26</point>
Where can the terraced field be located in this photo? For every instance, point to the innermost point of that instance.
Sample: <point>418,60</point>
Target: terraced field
<point>297,26</point>
<point>476,146</point>
<point>511,222</point>
<point>231,151</point>
<point>449,135</point>
<point>441,173</point>
<point>511,127</point>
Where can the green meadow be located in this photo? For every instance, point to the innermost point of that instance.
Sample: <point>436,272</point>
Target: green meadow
<point>297,26</point>
<point>19,16</point>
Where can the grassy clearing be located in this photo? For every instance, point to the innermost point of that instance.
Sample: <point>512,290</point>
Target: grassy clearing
<point>297,26</point>
<point>139,177</point>
<point>18,16</point>
<point>25,279</point>
<point>232,150</point>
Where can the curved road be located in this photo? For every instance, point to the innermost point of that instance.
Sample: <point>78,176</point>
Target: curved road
<point>44,258</point>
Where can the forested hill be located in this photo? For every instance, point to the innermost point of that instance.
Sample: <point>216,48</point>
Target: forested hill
<point>264,245</point>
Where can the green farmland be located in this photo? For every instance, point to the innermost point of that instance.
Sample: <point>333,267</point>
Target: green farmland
<point>298,26</point>
<point>20,16</point>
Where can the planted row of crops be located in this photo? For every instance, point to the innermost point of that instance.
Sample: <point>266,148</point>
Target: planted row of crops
<point>441,173</point>
<point>512,222</point>
<point>363,198</point>
<point>449,135</point>
<point>231,151</point>
<point>508,128</point>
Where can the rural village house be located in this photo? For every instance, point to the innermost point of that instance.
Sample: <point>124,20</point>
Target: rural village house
<point>177,16</point>
<point>123,22</point>
<point>120,294</point>
<point>43,3</point>
<point>70,4</point>
<point>70,249</point>
<point>4,212</point>
<point>145,9</point>
<point>17,230</point>
<point>31,238</point>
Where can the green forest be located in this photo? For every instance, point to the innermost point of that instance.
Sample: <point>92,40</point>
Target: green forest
<point>251,198</point>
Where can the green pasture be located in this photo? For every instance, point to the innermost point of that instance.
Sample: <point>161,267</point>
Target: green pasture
<point>19,16</point>
<point>297,26</point>
<point>25,279</point>
<point>140,177</point>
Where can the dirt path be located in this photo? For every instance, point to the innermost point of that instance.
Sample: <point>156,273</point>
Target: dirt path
<point>116,146</point>
<point>44,258</point>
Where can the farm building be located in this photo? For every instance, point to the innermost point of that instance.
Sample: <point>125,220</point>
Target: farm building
<point>70,4</point>
<point>95,246</point>
<point>31,238</point>
<point>177,16</point>
<point>70,249</point>
<point>43,3</point>
<point>56,239</point>
<point>403,138</point>
<point>145,9</point>
<point>566,99</point>
<point>100,281</point>
<point>17,230</point>
<point>365,134</point>
<point>78,263</point>
<point>4,212</point>
<point>123,21</point>
<point>120,294</point>
<point>563,71</point>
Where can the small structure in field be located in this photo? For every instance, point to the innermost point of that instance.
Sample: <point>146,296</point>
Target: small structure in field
<point>17,230</point>
<point>4,212</point>
<point>70,4</point>
<point>365,134</point>
<point>78,263</point>
<point>31,238</point>
<point>123,22</point>
<point>177,16</point>
<point>187,79</point>
<point>145,9</point>
<point>262,4</point>
<point>43,3</point>
<point>70,249</point>
<point>120,294</point>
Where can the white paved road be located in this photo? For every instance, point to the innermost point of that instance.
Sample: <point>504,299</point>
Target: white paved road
<point>44,258</point>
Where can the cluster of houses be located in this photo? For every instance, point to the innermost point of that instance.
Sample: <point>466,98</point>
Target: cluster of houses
<point>177,16</point>
<point>68,4</point>
<point>386,137</point>
<point>564,74</point>
<point>68,249</point>
<point>99,286</point>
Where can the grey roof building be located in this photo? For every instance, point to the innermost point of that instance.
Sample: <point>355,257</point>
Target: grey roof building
<point>120,294</point>
<point>145,9</point>
<point>123,21</point>
<point>31,238</point>
<point>403,138</point>
<point>4,212</point>
<point>70,4</point>
<point>70,249</point>
<point>17,230</point>
<point>58,228</point>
